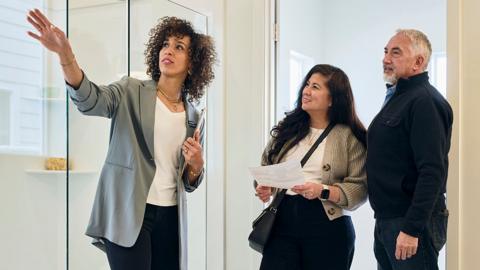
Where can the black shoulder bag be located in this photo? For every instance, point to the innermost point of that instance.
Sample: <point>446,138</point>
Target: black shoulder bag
<point>262,225</point>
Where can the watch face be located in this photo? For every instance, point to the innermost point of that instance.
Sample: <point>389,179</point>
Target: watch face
<point>325,194</point>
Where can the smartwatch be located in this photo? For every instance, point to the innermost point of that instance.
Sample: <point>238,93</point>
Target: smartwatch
<point>325,193</point>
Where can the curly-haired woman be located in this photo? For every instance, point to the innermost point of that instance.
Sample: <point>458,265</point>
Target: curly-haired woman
<point>139,213</point>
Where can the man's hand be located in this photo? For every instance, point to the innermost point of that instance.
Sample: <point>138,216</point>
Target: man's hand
<point>406,246</point>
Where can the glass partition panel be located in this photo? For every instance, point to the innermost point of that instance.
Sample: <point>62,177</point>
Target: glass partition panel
<point>32,130</point>
<point>98,33</point>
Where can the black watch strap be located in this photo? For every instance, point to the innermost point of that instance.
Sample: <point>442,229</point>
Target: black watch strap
<point>325,193</point>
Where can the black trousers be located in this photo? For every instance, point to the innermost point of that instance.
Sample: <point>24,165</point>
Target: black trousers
<point>157,246</point>
<point>430,242</point>
<point>303,238</point>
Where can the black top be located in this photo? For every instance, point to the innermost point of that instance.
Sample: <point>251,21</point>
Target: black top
<point>407,157</point>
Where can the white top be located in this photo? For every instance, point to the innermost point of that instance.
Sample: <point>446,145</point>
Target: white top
<point>312,171</point>
<point>169,134</point>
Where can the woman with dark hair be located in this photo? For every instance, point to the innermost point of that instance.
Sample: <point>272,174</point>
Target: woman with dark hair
<point>155,153</point>
<point>312,230</point>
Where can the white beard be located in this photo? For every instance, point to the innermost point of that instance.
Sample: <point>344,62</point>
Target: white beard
<point>391,79</point>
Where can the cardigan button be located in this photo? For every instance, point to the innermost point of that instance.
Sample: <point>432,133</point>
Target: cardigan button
<point>331,211</point>
<point>326,167</point>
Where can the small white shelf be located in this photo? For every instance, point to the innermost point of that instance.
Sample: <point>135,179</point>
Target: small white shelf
<point>53,172</point>
<point>54,99</point>
<point>45,99</point>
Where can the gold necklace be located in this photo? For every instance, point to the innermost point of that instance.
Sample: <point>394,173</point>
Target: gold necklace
<point>173,102</point>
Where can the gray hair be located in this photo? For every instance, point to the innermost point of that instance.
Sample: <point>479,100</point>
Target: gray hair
<point>420,43</point>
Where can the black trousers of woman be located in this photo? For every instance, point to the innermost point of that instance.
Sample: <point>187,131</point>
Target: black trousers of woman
<point>303,238</point>
<point>157,246</point>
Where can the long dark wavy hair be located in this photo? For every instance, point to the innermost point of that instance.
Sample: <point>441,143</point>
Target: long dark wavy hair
<point>296,124</point>
<point>201,53</point>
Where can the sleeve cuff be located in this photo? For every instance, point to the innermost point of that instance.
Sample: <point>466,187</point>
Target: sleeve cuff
<point>81,93</point>
<point>343,202</point>
<point>191,187</point>
<point>410,229</point>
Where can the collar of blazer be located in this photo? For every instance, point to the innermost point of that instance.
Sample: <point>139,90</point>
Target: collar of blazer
<point>148,99</point>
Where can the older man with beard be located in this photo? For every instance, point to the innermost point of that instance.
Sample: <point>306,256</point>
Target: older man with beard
<point>407,159</point>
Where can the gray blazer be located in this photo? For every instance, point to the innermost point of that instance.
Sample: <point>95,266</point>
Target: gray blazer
<point>343,166</point>
<point>129,168</point>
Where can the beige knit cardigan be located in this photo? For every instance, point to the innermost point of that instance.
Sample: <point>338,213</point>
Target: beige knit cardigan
<point>343,166</point>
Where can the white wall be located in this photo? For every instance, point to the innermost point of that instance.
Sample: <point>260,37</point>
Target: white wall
<point>300,30</point>
<point>244,127</point>
<point>32,212</point>
<point>355,33</point>
<point>463,81</point>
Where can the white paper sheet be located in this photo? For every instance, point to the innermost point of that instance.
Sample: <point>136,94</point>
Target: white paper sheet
<point>282,175</point>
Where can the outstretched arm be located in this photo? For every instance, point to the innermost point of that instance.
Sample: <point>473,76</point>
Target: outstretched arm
<point>55,40</point>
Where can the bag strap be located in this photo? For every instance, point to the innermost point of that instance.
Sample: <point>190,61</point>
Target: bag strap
<point>276,201</point>
<point>316,144</point>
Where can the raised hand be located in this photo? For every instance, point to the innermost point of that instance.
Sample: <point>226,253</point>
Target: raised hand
<point>56,41</point>
<point>50,36</point>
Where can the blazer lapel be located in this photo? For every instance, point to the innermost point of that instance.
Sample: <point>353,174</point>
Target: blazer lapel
<point>148,100</point>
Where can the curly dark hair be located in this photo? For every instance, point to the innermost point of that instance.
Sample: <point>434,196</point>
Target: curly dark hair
<point>296,123</point>
<point>201,52</point>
